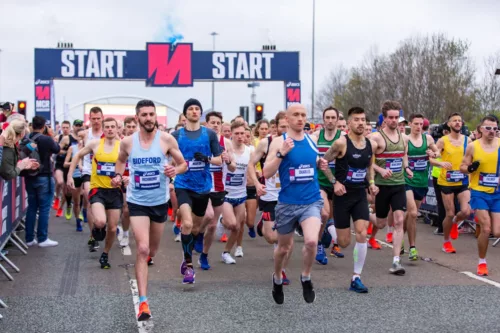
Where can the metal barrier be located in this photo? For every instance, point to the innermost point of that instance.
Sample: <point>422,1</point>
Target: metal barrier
<point>14,202</point>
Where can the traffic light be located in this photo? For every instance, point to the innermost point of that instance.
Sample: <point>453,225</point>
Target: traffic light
<point>21,107</point>
<point>259,111</point>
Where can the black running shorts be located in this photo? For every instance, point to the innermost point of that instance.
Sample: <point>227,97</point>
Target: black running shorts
<point>251,193</point>
<point>158,214</point>
<point>389,196</point>
<point>217,198</point>
<point>111,198</point>
<point>267,208</point>
<point>352,204</point>
<point>198,202</point>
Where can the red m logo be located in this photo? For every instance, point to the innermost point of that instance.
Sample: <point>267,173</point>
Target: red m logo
<point>169,65</point>
<point>293,95</point>
<point>42,92</point>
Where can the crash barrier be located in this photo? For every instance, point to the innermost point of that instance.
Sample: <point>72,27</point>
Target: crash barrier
<point>14,202</point>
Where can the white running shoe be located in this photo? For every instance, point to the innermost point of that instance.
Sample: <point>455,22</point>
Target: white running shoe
<point>227,259</point>
<point>239,252</point>
<point>124,241</point>
<point>178,237</point>
<point>48,243</point>
<point>32,243</point>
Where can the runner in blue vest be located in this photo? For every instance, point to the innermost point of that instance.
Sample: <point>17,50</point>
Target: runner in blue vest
<point>295,156</point>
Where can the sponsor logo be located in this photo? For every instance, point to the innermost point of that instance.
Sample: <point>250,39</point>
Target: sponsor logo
<point>169,65</point>
<point>291,84</point>
<point>37,82</point>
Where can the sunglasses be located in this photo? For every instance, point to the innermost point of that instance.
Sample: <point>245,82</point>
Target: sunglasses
<point>490,128</point>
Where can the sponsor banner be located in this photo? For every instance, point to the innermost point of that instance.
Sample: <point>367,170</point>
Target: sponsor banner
<point>292,92</point>
<point>43,96</point>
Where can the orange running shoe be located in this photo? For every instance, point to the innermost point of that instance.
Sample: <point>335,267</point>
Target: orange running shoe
<point>59,212</point>
<point>178,222</point>
<point>55,206</point>
<point>388,238</point>
<point>372,243</point>
<point>370,229</point>
<point>448,247</point>
<point>482,269</point>
<point>223,239</point>
<point>144,313</point>
<point>454,231</point>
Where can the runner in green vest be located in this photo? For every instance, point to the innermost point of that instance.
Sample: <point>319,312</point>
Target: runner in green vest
<point>421,151</point>
<point>326,138</point>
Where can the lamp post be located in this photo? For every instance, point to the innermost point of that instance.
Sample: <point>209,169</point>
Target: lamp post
<point>213,34</point>
<point>313,35</point>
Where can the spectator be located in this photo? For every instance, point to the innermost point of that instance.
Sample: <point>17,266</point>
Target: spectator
<point>40,188</point>
<point>7,110</point>
<point>11,167</point>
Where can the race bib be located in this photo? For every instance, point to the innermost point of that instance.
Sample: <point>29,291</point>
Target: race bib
<point>394,164</point>
<point>454,176</point>
<point>331,164</point>
<point>126,166</point>
<point>106,169</point>
<point>147,180</point>
<point>196,166</point>
<point>418,165</point>
<point>488,179</point>
<point>302,175</point>
<point>215,168</point>
<point>356,176</point>
<point>234,179</point>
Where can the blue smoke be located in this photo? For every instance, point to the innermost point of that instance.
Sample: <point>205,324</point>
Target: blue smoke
<point>169,33</point>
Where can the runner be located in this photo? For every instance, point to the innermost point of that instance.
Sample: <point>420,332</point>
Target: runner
<point>326,137</point>
<point>452,182</point>
<point>147,190</point>
<point>226,130</point>
<point>341,123</point>
<point>65,140</point>
<point>106,201</point>
<point>295,156</point>
<point>420,147</point>
<point>200,147</point>
<point>482,161</point>
<point>353,168</point>
<point>217,192</point>
<point>391,159</point>
<point>94,132</point>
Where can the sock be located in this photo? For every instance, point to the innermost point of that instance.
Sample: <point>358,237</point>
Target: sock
<point>412,247</point>
<point>390,229</point>
<point>482,261</point>
<point>305,278</point>
<point>68,200</point>
<point>187,247</point>
<point>225,252</point>
<point>143,299</point>
<point>359,256</point>
<point>333,232</point>
<point>395,260</point>
<point>355,276</point>
<point>454,219</point>
<point>125,233</point>
<point>277,281</point>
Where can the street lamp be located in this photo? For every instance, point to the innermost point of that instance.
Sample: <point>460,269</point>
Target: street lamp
<point>253,99</point>
<point>313,35</point>
<point>213,34</point>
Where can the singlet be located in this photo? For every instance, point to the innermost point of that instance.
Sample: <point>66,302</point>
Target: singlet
<point>103,166</point>
<point>262,160</point>
<point>391,158</point>
<point>148,184</point>
<point>352,168</point>
<point>74,150</point>
<point>236,182</point>
<point>273,185</point>
<point>298,173</point>
<point>218,171</point>
<point>87,159</point>
<point>485,178</point>
<point>454,155</point>
<point>418,161</point>
<point>197,178</point>
<point>61,157</point>
<point>323,146</point>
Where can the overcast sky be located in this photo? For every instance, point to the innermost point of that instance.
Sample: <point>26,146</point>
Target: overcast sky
<point>345,30</point>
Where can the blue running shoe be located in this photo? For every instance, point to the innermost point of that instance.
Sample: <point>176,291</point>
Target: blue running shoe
<point>79,225</point>
<point>203,262</point>
<point>198,244</point>
<point>336,252</point>
<point>188,276</point>
<point>358,286</point>
<point>286,281</point>
<point>183,267</point>
<point>321,257</point>
<point>176,229</point>
<point>251,232</point>
<point>84,213</point>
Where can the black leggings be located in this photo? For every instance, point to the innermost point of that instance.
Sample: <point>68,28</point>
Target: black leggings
<point>440,206</point>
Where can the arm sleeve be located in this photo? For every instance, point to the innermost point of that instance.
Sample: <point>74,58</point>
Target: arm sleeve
<point>214,144</point>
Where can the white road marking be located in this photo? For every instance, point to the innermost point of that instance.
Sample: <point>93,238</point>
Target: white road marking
<point>143,326</point>
<point>482,279</point>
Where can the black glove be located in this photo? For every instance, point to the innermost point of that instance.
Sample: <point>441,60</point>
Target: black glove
<point>473,167</point>
<point>200,157</point>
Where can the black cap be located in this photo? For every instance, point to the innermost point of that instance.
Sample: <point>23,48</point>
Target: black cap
<point>7,106</point>
<point>78,122</point>
<point>307,127</point>
<point>189,102</point>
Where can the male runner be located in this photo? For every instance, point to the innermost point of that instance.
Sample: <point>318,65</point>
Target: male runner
<point>391,159</point>
<point>326,137</point>
<point>226,130</point>
<point>481,160</point>
<point>341,123</point>
<point>147,190</point>
<point>200,147</point>
<point>106,201</point>
<point>353,168</point>
<point>420,146</point>
<point>217,193</point>
<point>295,156</point>
<point>452,182</point>
<point>94,132</point>
<point>65,140</point>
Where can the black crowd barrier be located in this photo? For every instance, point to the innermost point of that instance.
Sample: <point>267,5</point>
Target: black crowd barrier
<point>429,204</point>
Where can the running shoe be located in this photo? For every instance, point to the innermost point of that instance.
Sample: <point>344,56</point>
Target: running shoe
<point>321,257</point>
<point>227,259</point>
<point>358,286</point>
<point>397,268</point>
<point>286,281</point>
<point>59,212</point>
<point>238,253</point>
<point>372,243</point>
<point>177,238</point>
<point>144,312</point>
<point>124,241</point>
<point>91,244</point>
<point>198,243</point>
<point>68,213</point>
<point>176,229</point>
<point>370,229</point>
<point>188,276</point>
<point>260,225</point>
<point>413,256</point>
<point>223,239</point>
<point>388,237</point>
<point>55,206</point>
<point>438,232</point>
<point>454,231</point>
<point>278,295</point>
<point>79,225</point>
<point>251,232</point>
<point>336,252</point>
<point>482,269</point>
<point>308,291</point>
<point>203,262</point>
<point>150,261</point>
<point>298,231</point>
<point>104,261</point>
<point>448,247</point>
<point>184,266</point>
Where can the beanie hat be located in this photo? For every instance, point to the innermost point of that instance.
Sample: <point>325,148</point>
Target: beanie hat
<point>190,102</point>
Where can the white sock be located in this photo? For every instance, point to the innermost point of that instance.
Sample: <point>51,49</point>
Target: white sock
<point>355,276</point>
<point>482,261</point>
<point>395,260</point>
<point>125,233</point>
<point>333,232</point>
<point>454,219</point>
<point>389,229</point>
<point>359,256</point>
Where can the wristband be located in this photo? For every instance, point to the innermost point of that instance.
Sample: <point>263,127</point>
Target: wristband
<point>372,181</point>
